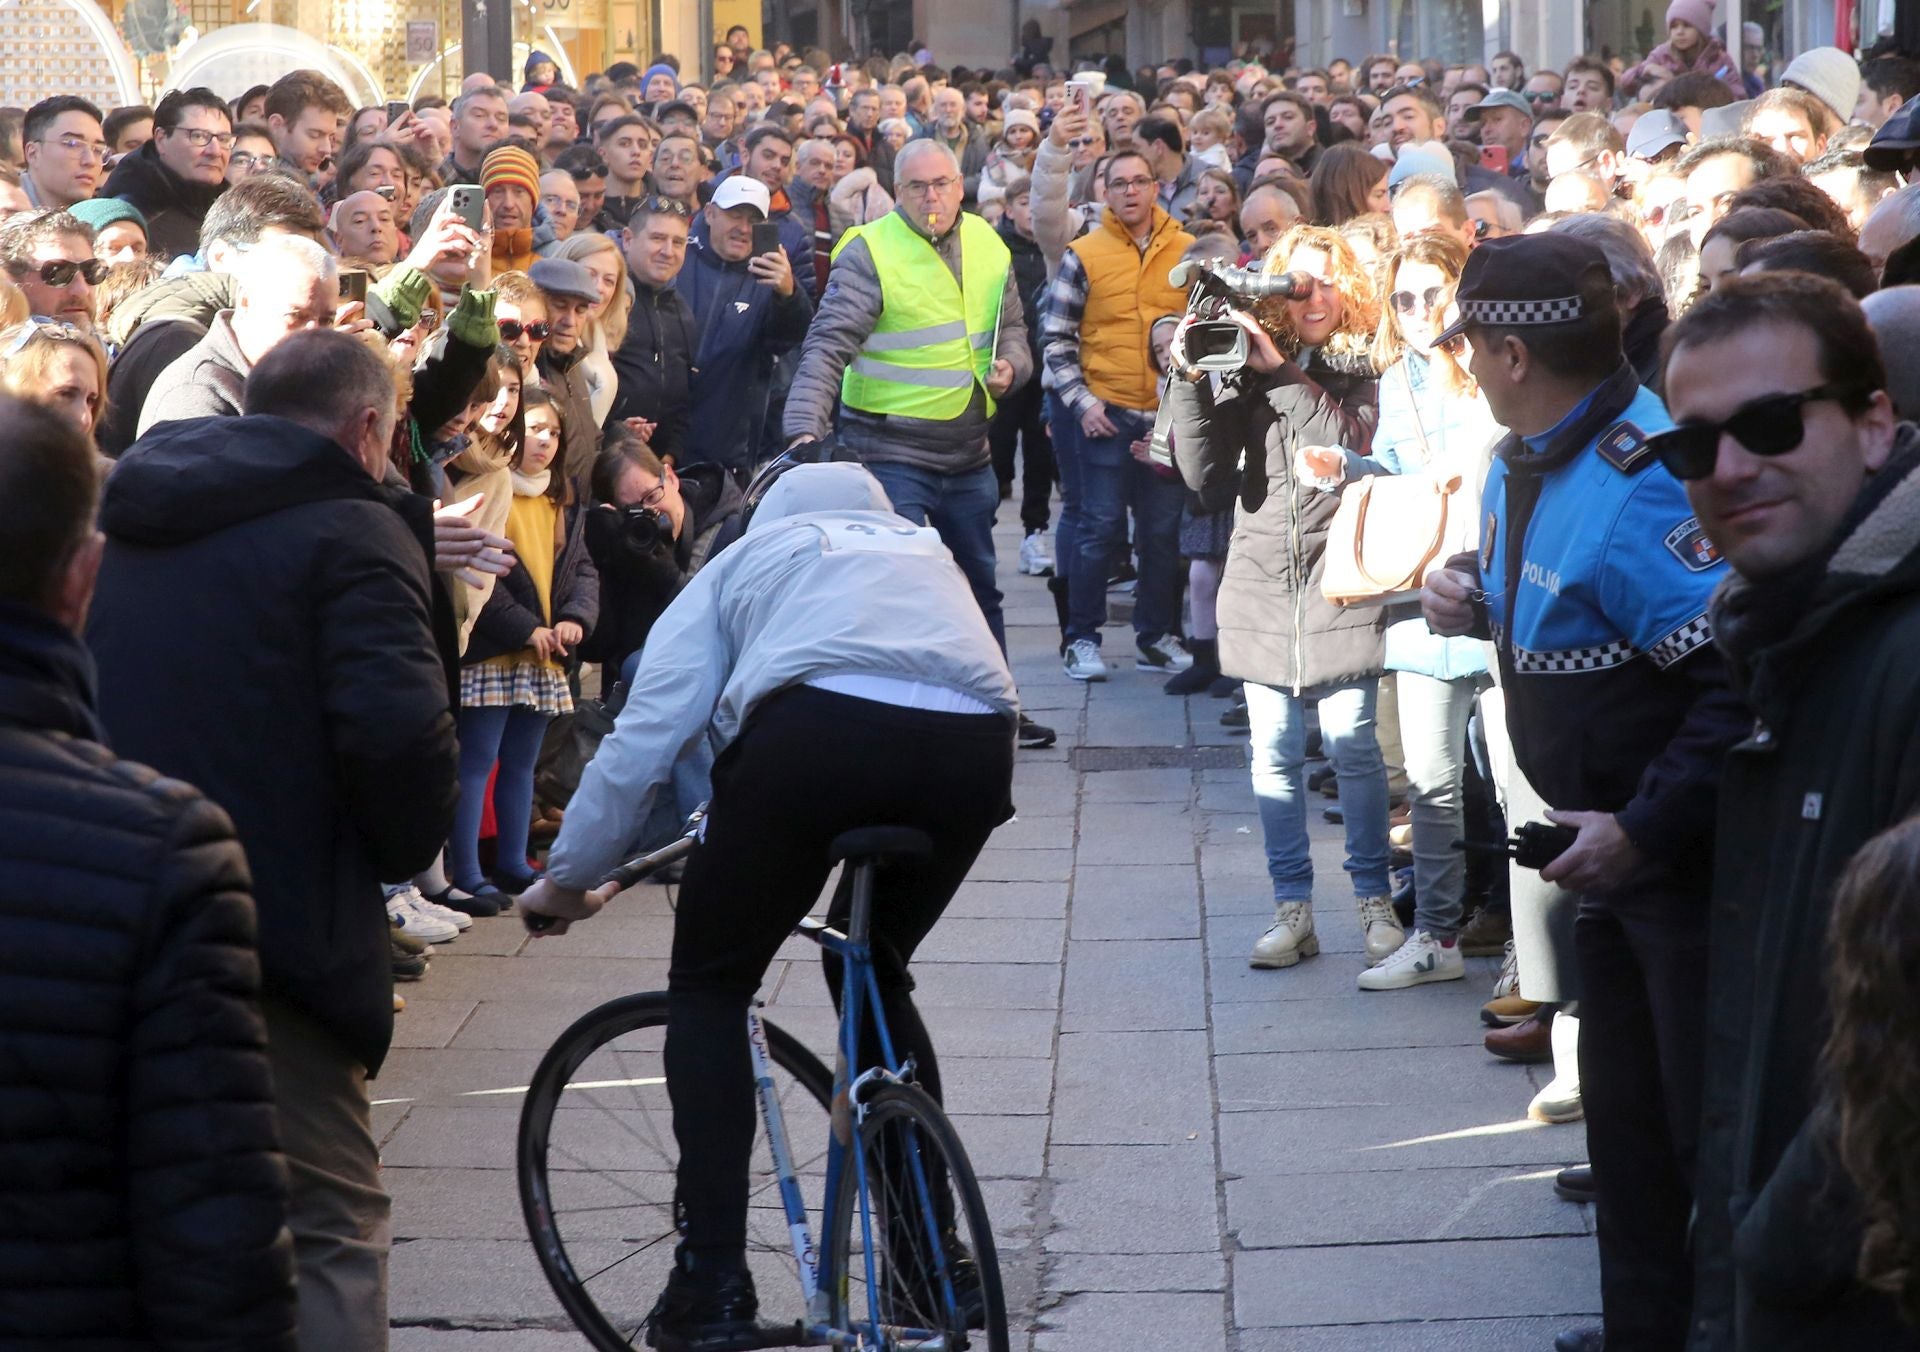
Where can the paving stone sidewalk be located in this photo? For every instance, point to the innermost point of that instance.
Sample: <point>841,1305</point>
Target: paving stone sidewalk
<point>1180,1152</point>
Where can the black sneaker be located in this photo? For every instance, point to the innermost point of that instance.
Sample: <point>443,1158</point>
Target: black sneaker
<point>705,1312</point>
<point>1035,736</point>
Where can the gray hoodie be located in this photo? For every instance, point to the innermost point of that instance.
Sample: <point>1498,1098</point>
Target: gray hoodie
<point>826,581</point>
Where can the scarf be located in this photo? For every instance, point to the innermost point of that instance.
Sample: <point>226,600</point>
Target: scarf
<point>531,485</point>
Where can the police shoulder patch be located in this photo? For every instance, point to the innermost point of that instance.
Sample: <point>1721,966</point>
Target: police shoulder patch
<point>1688,543</point>
<point>1624,446</point>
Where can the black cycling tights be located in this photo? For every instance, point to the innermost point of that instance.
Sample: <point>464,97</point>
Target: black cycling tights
<point>809,765</point>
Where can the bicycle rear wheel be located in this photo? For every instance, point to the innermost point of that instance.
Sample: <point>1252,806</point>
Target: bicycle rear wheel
<point>596,1168</point>
<point>937,1270</point>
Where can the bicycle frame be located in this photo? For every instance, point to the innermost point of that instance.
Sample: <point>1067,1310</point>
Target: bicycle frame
<point>860,997</point>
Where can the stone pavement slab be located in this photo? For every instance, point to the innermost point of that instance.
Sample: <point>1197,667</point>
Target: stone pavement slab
<point>1177,1152</point>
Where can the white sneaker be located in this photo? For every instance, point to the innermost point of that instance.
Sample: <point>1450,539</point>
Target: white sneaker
<point>1083,661</point>
<point>1509,982</point>
<point>1035,561</point>
<point>1290,939</point>
<point>416,922</point>
<point>460,920</point>
<point>1165,653</point>
<point>1560,1101</point>
<point>1422,958</point>
<point>1381,928</point>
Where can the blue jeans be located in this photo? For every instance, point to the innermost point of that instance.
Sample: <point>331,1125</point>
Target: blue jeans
<point>1279,729</point>
<point>511,736</point>
<point>961,507</point>
<point>1108,482</point>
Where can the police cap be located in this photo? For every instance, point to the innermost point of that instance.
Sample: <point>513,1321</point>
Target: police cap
<point>1524,280</point>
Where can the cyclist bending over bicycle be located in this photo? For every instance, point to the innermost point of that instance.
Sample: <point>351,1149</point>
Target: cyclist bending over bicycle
<point>837,659</point>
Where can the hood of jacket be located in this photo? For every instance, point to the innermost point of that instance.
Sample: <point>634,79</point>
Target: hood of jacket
<point>186,480</point>
<point>836,487</point>
<point>195,296</point>
<point>711,493</point>
<point>1771,629</point>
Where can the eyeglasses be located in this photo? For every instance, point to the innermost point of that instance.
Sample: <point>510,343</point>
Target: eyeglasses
<point>62,272</point>
<point>656,205</point>
<point>249,163</point>
<point>511,329</point>
<point>56,330</point>
<point>932,185</point>
<point>85,149</point>
<point>1770,426</point>
<point>1659,212</point>
<point>1131,185</point>
<point>199,138</point>
<point>1404,301</point>
<point>653,497</point>
<point>1538,96</point>
<point>1080,142</point>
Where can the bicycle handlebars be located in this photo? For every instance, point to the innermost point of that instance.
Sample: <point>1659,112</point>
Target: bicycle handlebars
<point>639,867</point>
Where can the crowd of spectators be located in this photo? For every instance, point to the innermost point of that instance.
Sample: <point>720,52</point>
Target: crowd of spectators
<point>408,429</point>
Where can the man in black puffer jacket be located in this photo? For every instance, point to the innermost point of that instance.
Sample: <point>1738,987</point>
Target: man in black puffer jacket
<point>142,1198</point>
<point>263,631</point>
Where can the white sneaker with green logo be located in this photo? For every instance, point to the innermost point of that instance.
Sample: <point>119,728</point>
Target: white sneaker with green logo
<point>1422,958</point>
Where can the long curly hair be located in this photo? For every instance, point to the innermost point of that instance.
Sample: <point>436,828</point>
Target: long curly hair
<point>1359,298</point>
<point>1870,1066</point>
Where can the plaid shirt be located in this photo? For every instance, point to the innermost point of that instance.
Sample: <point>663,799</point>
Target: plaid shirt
<point>1061,311</point>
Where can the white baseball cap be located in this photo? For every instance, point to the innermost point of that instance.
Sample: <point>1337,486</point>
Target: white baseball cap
<point>738,190</point>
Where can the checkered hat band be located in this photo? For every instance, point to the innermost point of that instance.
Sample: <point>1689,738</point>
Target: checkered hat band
<point>1514,313</point>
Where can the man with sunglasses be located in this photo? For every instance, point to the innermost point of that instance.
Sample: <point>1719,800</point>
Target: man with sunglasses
<point>50,258</point>
<point>174,178</point>
<point>1802,476</point>
<point>66,151</point>
<point>1593,578</point>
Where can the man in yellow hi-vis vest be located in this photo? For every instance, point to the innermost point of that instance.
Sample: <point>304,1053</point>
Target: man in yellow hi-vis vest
<point>918,334</point>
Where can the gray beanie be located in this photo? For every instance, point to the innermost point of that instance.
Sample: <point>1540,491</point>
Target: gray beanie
<point>1828,74</point>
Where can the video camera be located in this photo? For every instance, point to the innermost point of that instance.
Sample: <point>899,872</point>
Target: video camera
<point>1213,341</point>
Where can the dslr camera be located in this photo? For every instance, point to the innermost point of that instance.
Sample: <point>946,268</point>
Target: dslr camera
<point>645,530</point>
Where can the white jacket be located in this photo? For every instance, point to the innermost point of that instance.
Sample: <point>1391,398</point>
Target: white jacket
<point>827,580</point>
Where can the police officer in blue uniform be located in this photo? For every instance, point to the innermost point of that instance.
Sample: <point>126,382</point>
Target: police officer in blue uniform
<point>1593,580</point>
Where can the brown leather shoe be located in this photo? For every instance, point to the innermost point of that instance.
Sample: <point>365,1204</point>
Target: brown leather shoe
<point>1527,1042</point>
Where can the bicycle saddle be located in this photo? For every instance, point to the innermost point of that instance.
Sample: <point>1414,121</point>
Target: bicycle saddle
<point>880,844</point>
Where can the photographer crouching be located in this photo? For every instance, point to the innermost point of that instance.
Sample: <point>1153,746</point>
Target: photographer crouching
<point>651,528</point>
<point>1308,381</point>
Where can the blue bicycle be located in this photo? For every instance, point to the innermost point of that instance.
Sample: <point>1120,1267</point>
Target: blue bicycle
<point>909,1259</point>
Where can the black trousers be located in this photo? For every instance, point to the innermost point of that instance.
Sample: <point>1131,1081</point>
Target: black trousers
<point>1642,1039</point>
<point>1019,418</point>
<point>809,765</point>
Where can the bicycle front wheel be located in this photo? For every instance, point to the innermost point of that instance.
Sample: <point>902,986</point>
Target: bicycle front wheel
<point>935,1271</point>
<point>597,1160</point>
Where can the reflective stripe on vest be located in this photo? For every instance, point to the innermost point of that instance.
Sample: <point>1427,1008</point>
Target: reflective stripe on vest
<point>935,337</point>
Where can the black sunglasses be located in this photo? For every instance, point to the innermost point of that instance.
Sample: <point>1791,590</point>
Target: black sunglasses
<point>511,329</point>
<point>63,272</point>
<point>655,205</point>
<point>1404,301</point>
<point>1771,426</point>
